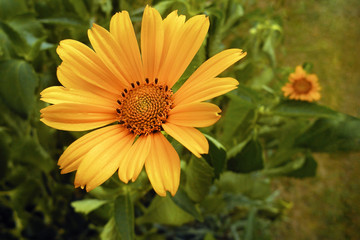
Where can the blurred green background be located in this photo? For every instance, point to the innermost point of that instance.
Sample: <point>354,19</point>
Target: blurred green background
<point>219,197</point>
<point>325,33</point>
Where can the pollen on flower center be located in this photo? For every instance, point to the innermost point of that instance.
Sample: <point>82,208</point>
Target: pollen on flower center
<point>143,108</point>
<point>302,86</point>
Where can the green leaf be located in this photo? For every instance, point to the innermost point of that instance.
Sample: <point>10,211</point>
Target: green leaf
<point>248,160</point>
<point>216,157</point>
<point>253,186</point>
<point>288,167</point>
<point>28,151</point>
<point>110,231</point>
<point>294,108</point>
<point>80,8</point>
<point>124,216</point>
<point>163,210</point>
<point>17,85</point>
<point>259,81</point>
<point>11,8</point>
<point>4,152</point>
<point>184,202</point>
<point>18,43</point>
<point>308,169</point>
<point>332,134</point>
<point>87,205</point>
<point>237,118</point>
<point>72,21</point>
<point>199,177</point>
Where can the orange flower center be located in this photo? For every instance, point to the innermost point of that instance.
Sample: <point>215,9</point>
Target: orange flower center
<point>302,86</point>
<point>143,108</point>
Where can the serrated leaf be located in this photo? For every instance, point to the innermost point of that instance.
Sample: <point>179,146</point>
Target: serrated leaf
<point>184,202</point>
<point>216,156</point>
<point>163,210</point>
<point>18,42</point>
<point>253,186</point>
<point>308,169</point>
<point>332,134</point>
<point>199,177</point>
<point>290,166</point>
<point>237,116</point>
<point>293,108</point>
<point>87,205</point>
<point>249,159</point>
<point>17,85</point>
<point>28,151</point>
<point>124,216</point>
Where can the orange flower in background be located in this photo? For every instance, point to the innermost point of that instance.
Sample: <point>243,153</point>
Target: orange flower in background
<point>114,83</point>
<point>302,86</point>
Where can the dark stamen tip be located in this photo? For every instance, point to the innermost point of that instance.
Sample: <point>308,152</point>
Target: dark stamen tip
<point>132,85</point>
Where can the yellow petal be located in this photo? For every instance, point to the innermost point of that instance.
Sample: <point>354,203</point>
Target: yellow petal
<point>76,116</point>
<point>201,114</point>
<point>85,63</point>
<point>189,137</point>
<point>111,54</point>
<point>152,40</point>
<point>103,160</point>
<point>73,155</point>
<point>172,27</point>
<point>122,29</point>
<point>300,72</point>
<point>183,48</point>
<point>163,166</point>
<point>58,94</point>
<point>212,88</point>
<point>132,164</point>
<point>210,69</point>
<point>69,79</point>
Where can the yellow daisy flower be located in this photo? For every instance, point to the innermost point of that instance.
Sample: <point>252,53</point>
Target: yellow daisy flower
<point>302,86</point>
<point>115,84</point>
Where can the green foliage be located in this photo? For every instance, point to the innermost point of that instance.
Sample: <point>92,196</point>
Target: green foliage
<point>226,194</point>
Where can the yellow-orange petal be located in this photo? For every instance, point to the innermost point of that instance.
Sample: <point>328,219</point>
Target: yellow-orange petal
<point>200,114</point>
<point>69,79</point>
<point>213,88</point>
<point>85,63</point>
<point>152,41</point>
<point>189,137</point>
<point>183,48</point>
<point>133,162</point>
<point>163,166</point>
<point>101,162</point>
<point>172,26</point>
<point>122,29</point>
<point>76,116</point>
<point>71,158</point>
<point>210,69</point>
<point>300,72</point>
<point>111,54</point>
<point>57,94</point>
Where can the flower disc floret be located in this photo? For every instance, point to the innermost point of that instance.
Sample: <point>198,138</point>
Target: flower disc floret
<point>144,108</point>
